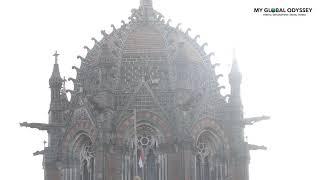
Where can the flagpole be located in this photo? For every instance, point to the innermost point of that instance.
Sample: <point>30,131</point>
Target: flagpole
<point>135,141</point>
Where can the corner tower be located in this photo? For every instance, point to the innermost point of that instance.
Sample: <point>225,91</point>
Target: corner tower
<point>56,120</point>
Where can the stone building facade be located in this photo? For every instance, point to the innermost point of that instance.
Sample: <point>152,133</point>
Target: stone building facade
<point>146,102</point>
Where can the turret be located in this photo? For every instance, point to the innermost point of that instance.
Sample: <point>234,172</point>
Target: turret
<point>54,128</point>
<point>56,120</point>
<point>235,103</point>
<point>56,104</point>
<point>239,146</point>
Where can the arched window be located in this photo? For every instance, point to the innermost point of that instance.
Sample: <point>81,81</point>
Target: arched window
<point>151,167</point>
<point>81,159</point>
<point>87,162</point>
<point>211,161</point>
<point>149,163</point>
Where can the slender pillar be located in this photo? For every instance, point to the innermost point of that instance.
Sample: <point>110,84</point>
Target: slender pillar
<point>202,169</point>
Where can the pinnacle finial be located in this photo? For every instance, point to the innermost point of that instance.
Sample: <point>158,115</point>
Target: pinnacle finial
<point>56,57</point>
<point>235,66</point>
<point>235,78</point>
<point>146,4</point>
<point>64,84</point>
<point>234,53</point>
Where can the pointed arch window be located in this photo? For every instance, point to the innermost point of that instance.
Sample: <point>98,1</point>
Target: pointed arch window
<point>80,160</point>
<point>149,163</point>
<point>87,162</point>
<point>211,161</point>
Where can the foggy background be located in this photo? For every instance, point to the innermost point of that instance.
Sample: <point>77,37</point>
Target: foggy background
<point>278,56</point>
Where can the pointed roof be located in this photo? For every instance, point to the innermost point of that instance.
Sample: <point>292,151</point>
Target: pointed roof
<point>235,78</point>
<point>235,67</point>
<point>235,74</point>
<point>55,79</point>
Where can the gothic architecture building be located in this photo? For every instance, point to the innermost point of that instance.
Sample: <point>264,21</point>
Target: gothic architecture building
<point>146,102</point>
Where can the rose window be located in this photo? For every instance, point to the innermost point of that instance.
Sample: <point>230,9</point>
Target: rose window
<point>145,141</point>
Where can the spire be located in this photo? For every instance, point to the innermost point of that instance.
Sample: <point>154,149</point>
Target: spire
<point>55,79</point>
<point>235,71</point>
<point>235,74</point>
<point>235,78</point>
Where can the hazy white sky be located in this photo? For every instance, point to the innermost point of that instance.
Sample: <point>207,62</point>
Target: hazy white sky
<point>278,56</point>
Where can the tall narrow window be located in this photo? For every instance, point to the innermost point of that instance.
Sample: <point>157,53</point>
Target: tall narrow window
<point>211,163</point>
<point>151,166</point>
<point>87,162</point>
<point>145,160</point>
<point>198,173</point>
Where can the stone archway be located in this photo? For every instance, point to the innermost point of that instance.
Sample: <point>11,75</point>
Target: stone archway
<point>143,157</point>
<point>211,151</point>
<point>83,152</point>
<point>79,159</point>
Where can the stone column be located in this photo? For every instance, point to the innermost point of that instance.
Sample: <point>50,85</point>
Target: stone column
<point>173,166</point>
<point>51,172</point>
<point>113,166</point>
<point>202,168</point>
<point>99,162</point>
<point>187,161</point>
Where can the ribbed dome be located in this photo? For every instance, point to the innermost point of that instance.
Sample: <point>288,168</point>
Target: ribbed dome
<point>146,48</point>
<point>144,39</point>
<point>185,52</point>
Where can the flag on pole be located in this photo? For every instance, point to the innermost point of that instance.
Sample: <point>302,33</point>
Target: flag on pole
<point>141,159</point>
<point>135,141</point>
